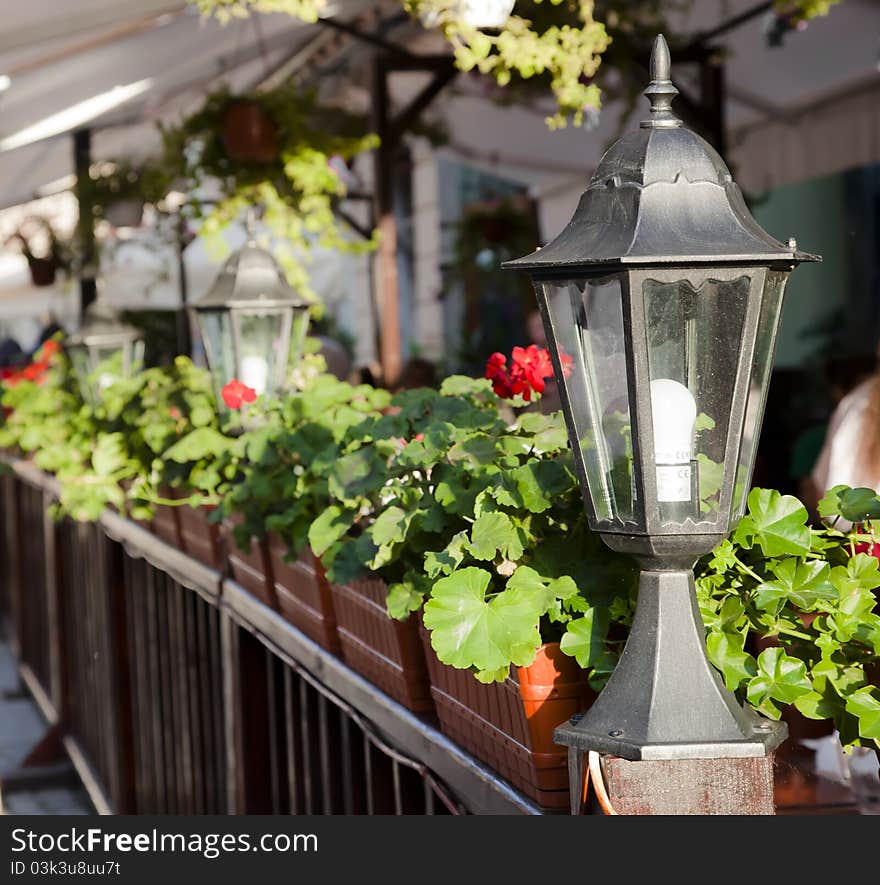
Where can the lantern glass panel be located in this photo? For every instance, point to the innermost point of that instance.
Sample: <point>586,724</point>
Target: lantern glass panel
<point>263,340</point>
<point>759,383</point>
<point>694,337</point>
<point>216,330</point>
<point>586,331</point>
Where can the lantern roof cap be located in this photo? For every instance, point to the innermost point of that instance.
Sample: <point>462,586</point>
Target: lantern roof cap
<point>103,324</point>
<point>660,195</point>
<point>250,278</point>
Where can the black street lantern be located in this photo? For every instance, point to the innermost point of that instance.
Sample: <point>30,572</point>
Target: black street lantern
<point>661,301</point>
<point>104,349</point>
<point>252,323</point>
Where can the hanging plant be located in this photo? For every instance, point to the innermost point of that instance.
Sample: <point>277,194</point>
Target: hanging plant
<point>115,189</point>
<point>275,149</point>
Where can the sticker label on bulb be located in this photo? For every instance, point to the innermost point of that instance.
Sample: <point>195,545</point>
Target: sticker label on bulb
<point>673,482</point>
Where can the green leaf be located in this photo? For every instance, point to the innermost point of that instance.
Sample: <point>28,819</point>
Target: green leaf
<point>199,444</point>
<point>443,562</point>
<point>494,532</point>
<point>816,705</point>
<point>777,523</point>
<point>462,385</point>
<point>857,505</point>
<point>329,527</point>
<point>804,584</point>
<point>405,597</point>
<point>829,506</point>
<point>478,450</point>
<point>865,704</point>
<point>779,678</point>
<point>391,525</point>
<point>540,483</point>
<point>467,630</point>
<point>726,652</point>
<point>584,637</point>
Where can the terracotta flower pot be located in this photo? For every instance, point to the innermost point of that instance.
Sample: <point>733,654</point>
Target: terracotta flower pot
<point>385,651</point>
<point>202,539</point>
<point>166,520</point>
<point>509,725</point>
<point>252,567</point>
<point>249,134</point>
<point>303,593</point>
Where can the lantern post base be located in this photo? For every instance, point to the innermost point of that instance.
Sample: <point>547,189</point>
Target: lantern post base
<point>664,699</point>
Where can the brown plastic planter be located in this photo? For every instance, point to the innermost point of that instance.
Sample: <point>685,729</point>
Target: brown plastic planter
<point>166,521</point>
<point>201,539</point>
<point>387,652</point>
<point>303,594</point>
<point>509,725</point>
<point>251,568</point>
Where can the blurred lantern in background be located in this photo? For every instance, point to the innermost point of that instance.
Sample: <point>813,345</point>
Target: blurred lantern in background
<point>104,349</point>
<point>252,323</point>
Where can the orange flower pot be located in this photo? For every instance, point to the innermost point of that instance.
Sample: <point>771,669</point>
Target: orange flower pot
<point>509,725</point>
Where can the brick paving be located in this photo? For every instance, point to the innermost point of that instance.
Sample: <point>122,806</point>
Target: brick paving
<point>21,726</point>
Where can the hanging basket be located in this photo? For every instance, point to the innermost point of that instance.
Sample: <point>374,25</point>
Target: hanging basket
<point>249,134</point>
<point>42,271</point>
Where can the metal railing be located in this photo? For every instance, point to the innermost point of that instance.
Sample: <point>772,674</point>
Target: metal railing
<point>174,691</point>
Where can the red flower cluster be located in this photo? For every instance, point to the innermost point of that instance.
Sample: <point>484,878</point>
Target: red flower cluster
<point>235,394</point>
<point>530,366</point>
<point>35,371</point>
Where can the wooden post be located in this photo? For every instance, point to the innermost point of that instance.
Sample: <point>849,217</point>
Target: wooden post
<point>390,352</point>
<point>82,160</point>
<point>690,786</point>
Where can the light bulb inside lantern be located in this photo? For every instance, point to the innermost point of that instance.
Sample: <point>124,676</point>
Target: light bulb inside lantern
<point>255,373</point>
<point>674,412</point>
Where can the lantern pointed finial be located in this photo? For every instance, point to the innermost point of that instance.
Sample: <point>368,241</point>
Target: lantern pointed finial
<point>660,91</point>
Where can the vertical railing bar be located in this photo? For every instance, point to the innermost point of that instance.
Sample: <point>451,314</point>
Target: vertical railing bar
<point>324,742</point>
<point>217,700</point>
<point>304,714</point>
<point>205,712</point>
<point>395,780</point>
<point>195,726</point>
<point>347,773</point>
<point>155,709</point>
<point>129,568</point>
<point>272,713</point>
<point>368,769</point>
<point>429,796</point>
<point>290,737</point>
<point>189,756</point>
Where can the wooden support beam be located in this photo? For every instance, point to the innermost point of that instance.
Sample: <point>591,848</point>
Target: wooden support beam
<point>85,228</point>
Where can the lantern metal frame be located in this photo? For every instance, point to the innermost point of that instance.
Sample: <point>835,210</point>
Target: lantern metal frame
<point>103,329</point>
<point>252,284</point>
<point>663,206</point>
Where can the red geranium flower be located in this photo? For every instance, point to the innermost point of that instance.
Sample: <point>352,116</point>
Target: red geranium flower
<point>531,366</point>
<point>235,394</point>
<point>49,348</point>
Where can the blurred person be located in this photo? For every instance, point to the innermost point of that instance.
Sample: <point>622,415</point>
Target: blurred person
<point>11,353</point>
<point>417,372</point>
<point>850,453</point>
